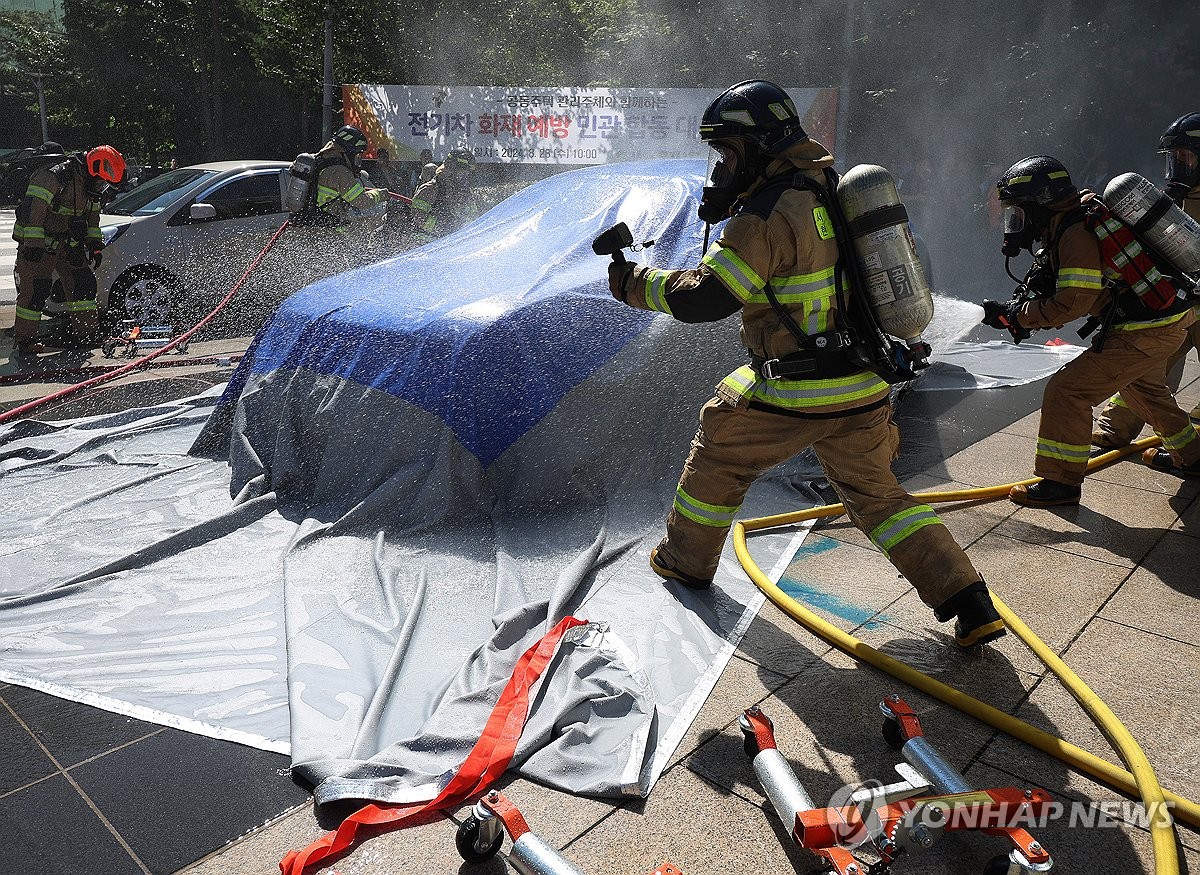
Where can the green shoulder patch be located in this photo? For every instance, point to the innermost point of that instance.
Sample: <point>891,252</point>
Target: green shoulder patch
<point>824,225</point>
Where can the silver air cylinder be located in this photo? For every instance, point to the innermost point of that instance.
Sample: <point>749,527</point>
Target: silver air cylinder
<point>1153,216</point>
<point>300,177</point>
<point>532,856</point>
<point>897,288</point>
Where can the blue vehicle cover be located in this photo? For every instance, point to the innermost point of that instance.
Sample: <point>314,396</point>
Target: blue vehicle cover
<point>489,327</point>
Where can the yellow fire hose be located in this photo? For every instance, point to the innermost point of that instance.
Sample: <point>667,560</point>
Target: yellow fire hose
<point>1142,782</point>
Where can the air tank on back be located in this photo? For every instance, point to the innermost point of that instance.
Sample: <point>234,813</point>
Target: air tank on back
<point>300,177</point>
<point>896,286</point>
<point>1153,216</point>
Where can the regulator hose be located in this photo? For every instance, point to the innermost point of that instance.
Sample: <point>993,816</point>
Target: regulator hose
<point>17,412</point>
<point>1142,782</point>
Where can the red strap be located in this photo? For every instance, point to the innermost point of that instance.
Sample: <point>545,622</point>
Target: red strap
<point>488,760</point>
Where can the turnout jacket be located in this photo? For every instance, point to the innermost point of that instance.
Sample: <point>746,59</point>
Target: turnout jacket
<point>340,191</point>
<point>782,237</point>
<point>58,209</point>
<point>441,205</point>
<point>1084,283</point>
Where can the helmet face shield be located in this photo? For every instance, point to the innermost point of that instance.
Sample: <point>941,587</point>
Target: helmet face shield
<point>1182,166</point>
<point>1014,219</point>
<point>722,165</point>
<point>1021,227</point>
<point>729,175</point>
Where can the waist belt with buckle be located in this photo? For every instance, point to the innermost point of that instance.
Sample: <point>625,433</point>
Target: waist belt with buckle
<point>826,357</point>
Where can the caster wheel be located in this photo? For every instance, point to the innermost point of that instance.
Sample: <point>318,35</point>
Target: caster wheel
<point>182,348</point>
<point>466,840</point>
<point>998,865</point>
<point>892,735</point>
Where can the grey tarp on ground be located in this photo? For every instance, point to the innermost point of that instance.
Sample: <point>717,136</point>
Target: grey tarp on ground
<point>132,580</point>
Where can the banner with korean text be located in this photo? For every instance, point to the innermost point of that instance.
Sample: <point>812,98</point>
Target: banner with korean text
<point>551,125</point>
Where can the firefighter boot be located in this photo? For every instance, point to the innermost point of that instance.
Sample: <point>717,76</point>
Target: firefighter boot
<point>665,570</point>
<point>1162,460</point>
<point>1045,493</point>
<point>977,620</point>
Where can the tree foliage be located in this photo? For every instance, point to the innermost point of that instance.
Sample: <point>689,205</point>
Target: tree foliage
<point>210,79</point>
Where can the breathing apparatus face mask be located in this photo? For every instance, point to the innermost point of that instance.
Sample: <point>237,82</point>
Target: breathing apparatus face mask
<point>98,188</point>
<point>1182,173</point>
<point>728,177</point>
<point>1021,228</point>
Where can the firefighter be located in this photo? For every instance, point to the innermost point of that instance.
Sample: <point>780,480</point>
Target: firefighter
<point>1128,354</point>
<point>444,203</point>
<point>57,229</point>
<point>780,235</point>
<point>342,197</point>
<point>1118,424</point>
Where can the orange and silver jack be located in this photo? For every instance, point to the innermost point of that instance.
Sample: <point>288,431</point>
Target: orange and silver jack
<point>481,834</point>
<point>894,818</point>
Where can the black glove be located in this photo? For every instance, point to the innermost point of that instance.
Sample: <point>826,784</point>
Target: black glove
<point>96,257</point>
<point>33,254</point>
<point>1004,317</point>
<point>995,315</point>
<point>618,275</point>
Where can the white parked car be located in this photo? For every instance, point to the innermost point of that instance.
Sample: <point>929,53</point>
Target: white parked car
<point>157,234</point>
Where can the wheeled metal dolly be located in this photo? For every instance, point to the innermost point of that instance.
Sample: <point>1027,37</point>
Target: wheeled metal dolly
<point>480,836</point>
<point>136,340</point>
<point>893,818</point>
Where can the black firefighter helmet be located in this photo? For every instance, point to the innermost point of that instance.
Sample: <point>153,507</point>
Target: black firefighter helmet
<point>1180,142</point>
<point>351,139</point>
<point>746,125</point>
<point>1026,191</point>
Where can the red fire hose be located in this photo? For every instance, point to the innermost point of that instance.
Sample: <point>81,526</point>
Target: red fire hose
<point>17,412</point>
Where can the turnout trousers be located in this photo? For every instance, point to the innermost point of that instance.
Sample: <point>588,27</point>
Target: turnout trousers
<point>736,443</point>
<point>1118,425</point>
<point>34,280</point>
<point>1133,363</point>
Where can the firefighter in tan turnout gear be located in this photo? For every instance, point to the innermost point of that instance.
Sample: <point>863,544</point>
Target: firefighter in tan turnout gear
<point>444,203</point>
<point>1118,424</point>
<point>779,242</point>
<point>341,194</point>
<point>1092,264</point>
<point>57,229</point>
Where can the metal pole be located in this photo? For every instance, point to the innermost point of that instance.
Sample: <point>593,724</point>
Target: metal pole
<point>327,105</point>
<point>42,108</point>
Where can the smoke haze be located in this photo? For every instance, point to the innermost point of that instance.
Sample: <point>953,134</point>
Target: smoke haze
<point>946,95</point>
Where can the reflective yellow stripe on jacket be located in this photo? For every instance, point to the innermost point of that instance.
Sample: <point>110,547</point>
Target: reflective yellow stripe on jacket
<point>737,276</point>
<point>1079,278</point>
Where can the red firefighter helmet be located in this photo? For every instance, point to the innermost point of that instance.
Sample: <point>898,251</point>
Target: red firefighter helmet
<point>105,162</point>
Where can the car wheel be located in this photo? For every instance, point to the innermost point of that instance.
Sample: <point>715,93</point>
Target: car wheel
<point>147,295</point>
